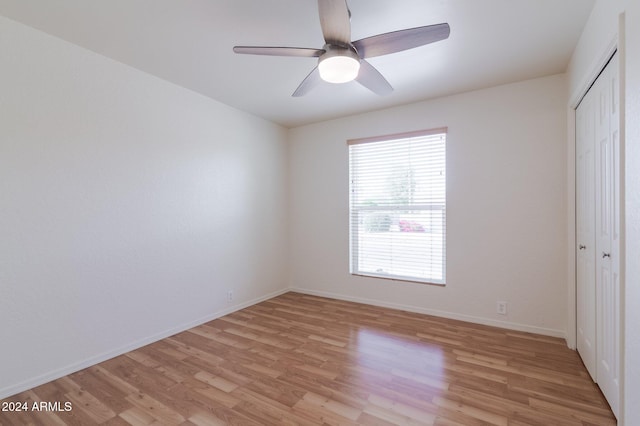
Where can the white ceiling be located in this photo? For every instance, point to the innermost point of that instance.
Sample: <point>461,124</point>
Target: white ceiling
<point>189,42</point>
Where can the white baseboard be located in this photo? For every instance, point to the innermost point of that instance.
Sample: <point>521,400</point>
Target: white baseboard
<point>72,368</point>
<point>436,313</point>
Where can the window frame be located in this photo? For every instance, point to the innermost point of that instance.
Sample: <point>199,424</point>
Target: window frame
<point>356,210</point>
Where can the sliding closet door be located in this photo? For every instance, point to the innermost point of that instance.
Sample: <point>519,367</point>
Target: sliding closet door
<point>585,233</point>
<point>608,235</point>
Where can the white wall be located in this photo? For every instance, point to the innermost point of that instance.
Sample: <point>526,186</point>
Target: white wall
<point>128,207</point>
<point>506,206</point>
<point>632,220</point>
<point>603,30</point>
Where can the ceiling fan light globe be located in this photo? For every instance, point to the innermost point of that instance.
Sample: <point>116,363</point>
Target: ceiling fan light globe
<point>339,69</point>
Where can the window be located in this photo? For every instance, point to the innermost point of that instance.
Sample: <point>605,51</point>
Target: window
<point>397,206</point>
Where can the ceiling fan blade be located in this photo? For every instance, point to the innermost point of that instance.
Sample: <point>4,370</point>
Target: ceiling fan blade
<point>371,78</point>
<point>335,23</point>
<point>398,41</point>
<point>308,83</point>
<point>279,51</point>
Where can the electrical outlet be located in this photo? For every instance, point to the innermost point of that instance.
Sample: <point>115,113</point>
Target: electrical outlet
<point>501,308</point>
<point>230,296</point>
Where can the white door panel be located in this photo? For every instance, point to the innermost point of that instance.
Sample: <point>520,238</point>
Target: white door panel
<point>607,238</point>
<point>585,233</point>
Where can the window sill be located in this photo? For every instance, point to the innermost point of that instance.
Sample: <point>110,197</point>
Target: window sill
<point>396,278</point>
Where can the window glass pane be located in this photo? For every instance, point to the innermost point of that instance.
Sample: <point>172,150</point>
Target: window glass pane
<point>397,203</point>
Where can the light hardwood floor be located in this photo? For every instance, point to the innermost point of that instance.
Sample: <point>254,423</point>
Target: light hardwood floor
<point>299,359</point>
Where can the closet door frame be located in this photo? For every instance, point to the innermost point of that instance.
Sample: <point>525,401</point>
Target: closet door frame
<point>573,241</point>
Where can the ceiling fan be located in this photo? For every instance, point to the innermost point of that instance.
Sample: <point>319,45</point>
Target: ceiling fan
<point>341,60</point>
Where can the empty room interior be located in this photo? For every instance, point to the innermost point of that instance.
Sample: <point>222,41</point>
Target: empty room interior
<point>320,212</point>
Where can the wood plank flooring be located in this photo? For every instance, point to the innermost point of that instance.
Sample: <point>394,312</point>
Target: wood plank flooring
<point>305,360</point>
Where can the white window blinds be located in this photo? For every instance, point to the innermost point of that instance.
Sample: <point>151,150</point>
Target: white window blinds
<point>398,206</point>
